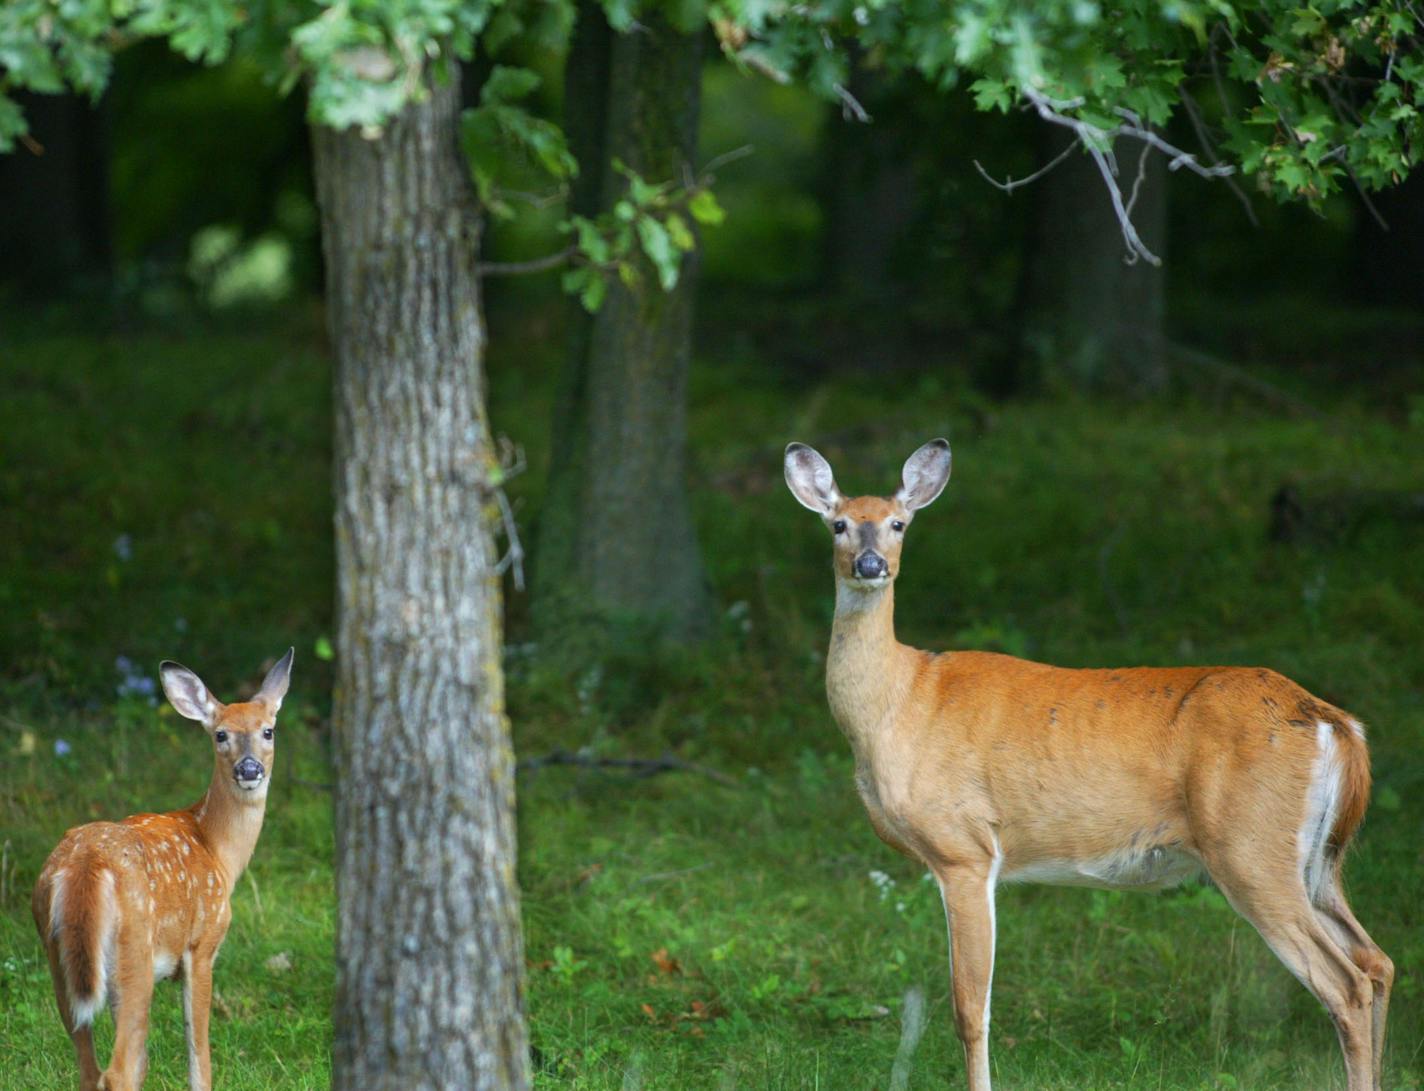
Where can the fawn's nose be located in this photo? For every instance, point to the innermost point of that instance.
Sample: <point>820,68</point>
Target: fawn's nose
<point>870,565</point>
<point>248,769</point>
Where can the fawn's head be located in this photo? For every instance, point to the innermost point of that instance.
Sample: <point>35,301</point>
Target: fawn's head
<point>868,531</point>
<point>243,733</point>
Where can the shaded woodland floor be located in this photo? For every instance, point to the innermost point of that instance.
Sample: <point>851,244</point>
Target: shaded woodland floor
<point>169,497</point>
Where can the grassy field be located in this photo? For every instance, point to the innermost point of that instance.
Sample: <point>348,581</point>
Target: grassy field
<point>168,497</point>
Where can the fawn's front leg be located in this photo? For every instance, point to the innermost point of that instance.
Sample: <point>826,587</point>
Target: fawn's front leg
<point>968,892</point>
<point>197,1005</point>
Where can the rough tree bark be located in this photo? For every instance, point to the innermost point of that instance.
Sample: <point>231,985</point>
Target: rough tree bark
<point>429,951</point>
<point>616,542</point>
<point>1088,316</point>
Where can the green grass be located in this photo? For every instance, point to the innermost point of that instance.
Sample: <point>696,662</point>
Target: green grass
<point>680,933</point>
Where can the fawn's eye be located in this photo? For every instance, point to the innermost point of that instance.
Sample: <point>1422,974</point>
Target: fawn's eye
<point>220,736</point>
<point>267,733</point>
<point>838,526</point>
<point>897,526</point>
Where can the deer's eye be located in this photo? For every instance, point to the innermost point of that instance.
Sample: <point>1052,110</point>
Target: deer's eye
<point>267,733</point>
<point>897,526</point>
<point>838,526</point>
<point>220,736</point>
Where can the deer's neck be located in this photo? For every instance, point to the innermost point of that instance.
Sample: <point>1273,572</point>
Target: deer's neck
<point>864,667</point>
<point>230,824</point>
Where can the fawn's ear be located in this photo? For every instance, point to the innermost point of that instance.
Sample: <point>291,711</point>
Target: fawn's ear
<point>186,693</point>
<point>924,475</point>
<point>810,480</point>
<point>274,686</point>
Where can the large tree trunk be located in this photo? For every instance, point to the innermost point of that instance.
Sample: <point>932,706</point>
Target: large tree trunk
<point>429,951</point>
<point>617,544</point>
<point>54,196</point>
<point>1088,316</point>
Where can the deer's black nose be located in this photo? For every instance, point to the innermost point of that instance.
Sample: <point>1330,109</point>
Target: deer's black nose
<point>870,565</point>
<point>248,769</point>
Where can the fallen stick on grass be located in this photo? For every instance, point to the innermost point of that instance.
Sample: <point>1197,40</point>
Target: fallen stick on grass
<point>638,767</point>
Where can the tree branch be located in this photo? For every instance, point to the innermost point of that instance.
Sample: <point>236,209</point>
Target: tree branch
<point>1098,143</point>
<point>533,265</point>
<point>511,464</point>
<point>1141,177</point>
<point>1008,185</point>
<point>1199,127</point>
<point>851,109</point>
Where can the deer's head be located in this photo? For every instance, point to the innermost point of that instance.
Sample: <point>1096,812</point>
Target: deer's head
<point>243,733</point>
<point>867,531</point>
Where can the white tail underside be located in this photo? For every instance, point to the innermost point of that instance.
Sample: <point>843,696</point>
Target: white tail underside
<point>1322,804</point>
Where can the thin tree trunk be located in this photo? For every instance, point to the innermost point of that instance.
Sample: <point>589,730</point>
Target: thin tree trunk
<point>1088,316</point>
<point>617,542</point>
<point>429,951</point>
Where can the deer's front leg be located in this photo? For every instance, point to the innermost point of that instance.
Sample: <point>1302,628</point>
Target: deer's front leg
<point>968,892</point>
<point>197,1004</point>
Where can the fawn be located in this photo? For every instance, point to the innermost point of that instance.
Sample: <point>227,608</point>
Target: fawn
<point>989,769</point>
<point>121,905</point>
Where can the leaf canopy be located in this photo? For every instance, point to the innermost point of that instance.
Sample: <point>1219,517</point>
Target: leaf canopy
<point>1304,98</point>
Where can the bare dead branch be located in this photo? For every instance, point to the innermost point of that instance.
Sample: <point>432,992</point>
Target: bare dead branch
<point>1008,185</point>
<point>1369,205</point>
<point>511,464</point>
<point>1179,158</point>
<point>1136,248</point>
<point>1141,177</point>
<point>1199,127</point>
<point>638,767</point>
<point>536,200</point>
<point>851,109</point>
<point>757,63</point>
<point>513,556</point>
<point>718,161</point>
<point>1098,142</point>
<point>533,265</point>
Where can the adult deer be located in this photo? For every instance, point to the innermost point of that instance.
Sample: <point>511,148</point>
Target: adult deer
<point>990,769</point>
<point>121,905</point>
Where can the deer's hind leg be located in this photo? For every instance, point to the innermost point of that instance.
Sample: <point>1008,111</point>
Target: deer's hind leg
<point>1330,903</point>
<point>1265,884</point>
<point>82,1037</point>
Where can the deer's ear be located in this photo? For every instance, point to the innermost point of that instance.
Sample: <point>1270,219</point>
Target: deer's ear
<point>274,686</point>
<point>187,694</point>
<point>810,480</point>
<point>925,474</point>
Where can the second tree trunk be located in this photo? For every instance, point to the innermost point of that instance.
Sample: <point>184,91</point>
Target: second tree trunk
<point>1089,317</point>
<point>616,543</point>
